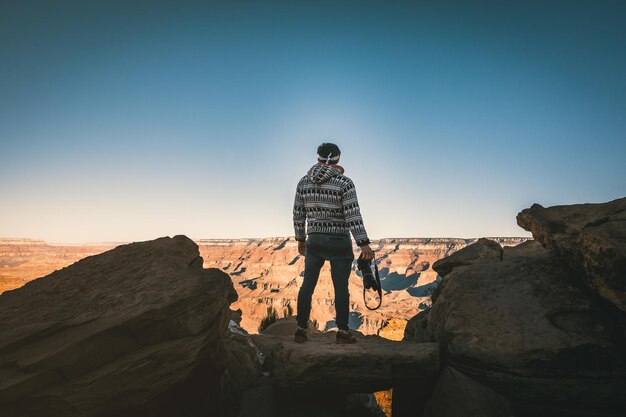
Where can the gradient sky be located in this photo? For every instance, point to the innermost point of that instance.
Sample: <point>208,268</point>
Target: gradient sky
<point>123,122</point>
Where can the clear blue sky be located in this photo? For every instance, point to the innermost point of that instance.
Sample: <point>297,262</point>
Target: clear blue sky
<point>127,122</point>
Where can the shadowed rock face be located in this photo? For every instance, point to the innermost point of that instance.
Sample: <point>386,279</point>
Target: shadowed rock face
<point>590,238</point>
<point>484,250</point>
<point>456,395</point>
<point>139,330</point>
<point>322,366</point>
<point>518,321</point>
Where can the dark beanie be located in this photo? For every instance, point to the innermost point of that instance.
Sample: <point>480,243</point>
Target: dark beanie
<point>328,152</point>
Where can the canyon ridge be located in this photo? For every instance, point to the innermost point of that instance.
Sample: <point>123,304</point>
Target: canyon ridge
<point>267,273</point>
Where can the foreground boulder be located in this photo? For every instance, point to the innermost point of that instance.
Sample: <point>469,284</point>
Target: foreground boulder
<point>321,378</point>
<point>590,238</point>
<point>518,324</point>
<point>321,365</point>
<point>139,330</point>
<point>484,250</point>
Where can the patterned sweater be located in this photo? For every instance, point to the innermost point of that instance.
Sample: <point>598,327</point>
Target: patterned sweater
<point>326,201</point>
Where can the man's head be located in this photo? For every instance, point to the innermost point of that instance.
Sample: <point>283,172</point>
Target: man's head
<point>328,153</point>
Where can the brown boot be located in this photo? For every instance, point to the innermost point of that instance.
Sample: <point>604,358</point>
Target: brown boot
<point>345,337</point>
<point>300,336</point>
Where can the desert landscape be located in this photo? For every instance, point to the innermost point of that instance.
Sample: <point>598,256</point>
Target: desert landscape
<point>158,161</point>
<point>267,273</point>
<point>154,328</point>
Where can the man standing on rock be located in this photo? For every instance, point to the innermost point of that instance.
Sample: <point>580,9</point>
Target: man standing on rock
<point>326,201</point>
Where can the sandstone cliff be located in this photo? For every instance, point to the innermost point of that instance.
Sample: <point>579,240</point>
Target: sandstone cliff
<point>523,327</point>
<point>140,330</point>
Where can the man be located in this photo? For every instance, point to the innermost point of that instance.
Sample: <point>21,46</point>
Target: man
<point>326,201</point>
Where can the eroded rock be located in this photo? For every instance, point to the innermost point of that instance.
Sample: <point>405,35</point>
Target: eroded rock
<point>139,330</point>
<point>416,329</point>
<point>320,365</point>
<point>524,328</point>
<point>590,238</point>
<point>484,250</point>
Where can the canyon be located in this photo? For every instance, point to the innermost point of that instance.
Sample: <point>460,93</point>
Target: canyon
<point>152,329</point>
<point>267,273</point>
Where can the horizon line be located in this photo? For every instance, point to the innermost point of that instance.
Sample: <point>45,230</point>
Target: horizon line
<point>286,238</point>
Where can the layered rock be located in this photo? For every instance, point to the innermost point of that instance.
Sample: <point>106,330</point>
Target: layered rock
<point>268,272</point>
<point>514,319</point>
<point>139,330</point>
<point>591,238</point>
<point>321,365</point>
<point>22,260</point>
<point>393,329</point>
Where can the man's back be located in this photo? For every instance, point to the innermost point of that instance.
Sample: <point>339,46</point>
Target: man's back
<point>327,200</point>
<point>326,208</point>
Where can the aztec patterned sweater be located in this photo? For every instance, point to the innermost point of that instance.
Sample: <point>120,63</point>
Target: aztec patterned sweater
<point>326,201</point>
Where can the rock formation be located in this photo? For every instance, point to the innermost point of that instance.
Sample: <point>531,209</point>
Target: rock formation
<point>322,378</point>
<point>371,364</point>
<point>22,260</point>
<point>533,329</point>
<point>521,322</point>
<point>139,330</point>
<point>591,238</point>
<point>268,272</point>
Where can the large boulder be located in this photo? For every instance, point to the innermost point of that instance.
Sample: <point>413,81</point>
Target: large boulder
<point>483,250</point>
<point>416,329</point>
<point>321,365</point>
<point>139,330</point>
<point>590,238</point>
<point>520,325</point>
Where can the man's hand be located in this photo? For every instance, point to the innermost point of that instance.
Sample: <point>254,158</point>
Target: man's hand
<point>367,252</point>
<point>302,248</point>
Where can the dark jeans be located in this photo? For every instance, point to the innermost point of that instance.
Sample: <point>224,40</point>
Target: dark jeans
<point>337,249</point>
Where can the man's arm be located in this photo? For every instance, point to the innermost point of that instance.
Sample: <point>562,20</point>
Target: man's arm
<point>352,213</point>
<point>299,216</point>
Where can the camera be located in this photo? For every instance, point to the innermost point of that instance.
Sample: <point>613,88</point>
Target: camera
<point>370,280</point>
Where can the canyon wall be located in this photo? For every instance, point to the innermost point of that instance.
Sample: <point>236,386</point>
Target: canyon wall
<point>23,260</point>
<point>267,273</point>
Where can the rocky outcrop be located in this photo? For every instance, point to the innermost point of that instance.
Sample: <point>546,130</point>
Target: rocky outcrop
<point>139,330</point>
<point>416,329</point>
<point>517,321</point>
<point>522,327</point>
<point>590,238</point>
<point>484,250</point>
<point>321,365</point>
<point>457,395</point>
